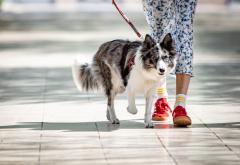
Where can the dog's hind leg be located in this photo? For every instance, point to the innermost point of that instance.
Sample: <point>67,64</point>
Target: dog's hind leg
<point>106,76</point>
<point>111,115</point>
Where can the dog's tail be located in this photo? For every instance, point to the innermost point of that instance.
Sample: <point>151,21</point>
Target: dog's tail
<point>83,77</point>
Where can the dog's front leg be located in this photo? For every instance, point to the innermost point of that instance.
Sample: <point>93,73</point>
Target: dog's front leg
<point>131,101</point>
<point>148,111</point>
<point>111,115</point>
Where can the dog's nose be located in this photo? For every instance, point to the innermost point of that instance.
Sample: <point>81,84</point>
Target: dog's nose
<point>162,70</point>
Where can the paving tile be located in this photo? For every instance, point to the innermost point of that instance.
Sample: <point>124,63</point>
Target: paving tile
<point>75,113</point>
<point>203,155</point>
<point>13,114</point>
<point>81,139</point>
<point>19,146</point>
<point>137,156</point>
<point>71,148</point>
<point>229,137</point>
<point>130,142</point>
<point>72,156</point>
<point>197,146</point>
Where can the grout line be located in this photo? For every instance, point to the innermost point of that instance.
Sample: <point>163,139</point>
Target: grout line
<point>40,149</point>
<point>44,102</point>
<point>102,148</point>
<point>218,137</point>
<point>166,149</point>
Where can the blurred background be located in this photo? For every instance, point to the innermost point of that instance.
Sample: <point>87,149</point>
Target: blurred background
<point>44,30</point>
<point>51,33</point>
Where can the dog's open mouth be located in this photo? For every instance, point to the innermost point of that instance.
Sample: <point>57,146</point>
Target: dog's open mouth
<point>161,74</point>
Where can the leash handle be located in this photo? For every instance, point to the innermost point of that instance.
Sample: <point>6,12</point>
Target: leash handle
<point>127,20</point>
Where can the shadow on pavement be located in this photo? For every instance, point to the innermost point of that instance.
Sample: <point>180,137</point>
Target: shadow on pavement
<point>105,126</point>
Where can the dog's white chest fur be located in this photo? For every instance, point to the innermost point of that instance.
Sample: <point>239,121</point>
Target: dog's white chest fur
<point>138,83</point>
<point>140,80</point>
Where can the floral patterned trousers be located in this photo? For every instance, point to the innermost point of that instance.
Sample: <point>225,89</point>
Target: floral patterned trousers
<point>175,17</point>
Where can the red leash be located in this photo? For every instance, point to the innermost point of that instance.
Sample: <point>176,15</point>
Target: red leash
<point>127,19</point>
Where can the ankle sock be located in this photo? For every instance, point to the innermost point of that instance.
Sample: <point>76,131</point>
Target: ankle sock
<point>161,93</point>
<point>180,100</point>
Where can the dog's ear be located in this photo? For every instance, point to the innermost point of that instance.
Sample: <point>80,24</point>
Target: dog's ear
<point>168,44</point>
<point>148,42</point>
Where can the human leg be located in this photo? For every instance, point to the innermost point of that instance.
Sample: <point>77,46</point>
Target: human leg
<point>185,10</point>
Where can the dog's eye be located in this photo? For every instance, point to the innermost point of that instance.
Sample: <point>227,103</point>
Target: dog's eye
<point>165,58</point>
<point>154,58</point>
<point>152,61</point>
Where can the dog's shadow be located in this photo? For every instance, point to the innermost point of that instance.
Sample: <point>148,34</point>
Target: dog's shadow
<point>105,126</point>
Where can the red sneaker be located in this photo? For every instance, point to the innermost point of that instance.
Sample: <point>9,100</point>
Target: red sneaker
<point>162,110</point>
<point>180,117</point>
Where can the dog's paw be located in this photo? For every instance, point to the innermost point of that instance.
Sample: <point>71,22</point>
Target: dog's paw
<point>115,121</point>
<point>149,125</point>
<point>132,110</point>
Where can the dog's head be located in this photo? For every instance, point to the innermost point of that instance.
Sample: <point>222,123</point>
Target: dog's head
<point>158,57</point>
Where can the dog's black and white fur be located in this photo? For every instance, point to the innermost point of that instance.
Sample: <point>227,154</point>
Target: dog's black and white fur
<point>112,71</point>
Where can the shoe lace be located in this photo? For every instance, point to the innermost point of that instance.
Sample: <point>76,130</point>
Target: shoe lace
<point>180,110</point>
<point>161,106</point>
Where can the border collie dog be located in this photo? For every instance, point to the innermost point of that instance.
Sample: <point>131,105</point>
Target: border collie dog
<point>136,67</point>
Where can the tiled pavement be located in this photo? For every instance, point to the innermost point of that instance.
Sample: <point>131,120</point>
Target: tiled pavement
<point>45,120</point>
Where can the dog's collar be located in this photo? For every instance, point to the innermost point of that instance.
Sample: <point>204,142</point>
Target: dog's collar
<point>131,62</point>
